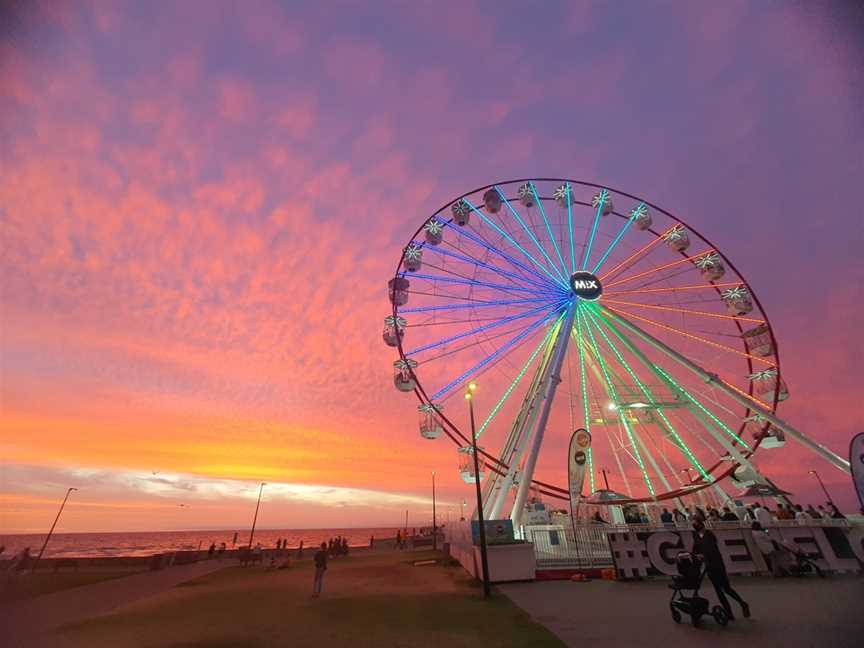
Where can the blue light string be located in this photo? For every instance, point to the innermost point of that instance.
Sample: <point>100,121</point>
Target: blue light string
<point>603,194</point>
<point>530,233</point>
<point>548,228</point>
<point>473,282</point>
<point>485,327</point>
<point>513,241</point>
<point>473,304</point>
<point>513,341</point>
<point>616,239</point>
<point>546,283</point>
<point>479,241</point>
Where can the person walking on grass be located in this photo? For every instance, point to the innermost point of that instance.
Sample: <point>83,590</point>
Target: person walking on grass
<point>320,568</point>
<point>705,546</point>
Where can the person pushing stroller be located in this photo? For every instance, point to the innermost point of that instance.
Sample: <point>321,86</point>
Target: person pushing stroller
<point>705,546</point>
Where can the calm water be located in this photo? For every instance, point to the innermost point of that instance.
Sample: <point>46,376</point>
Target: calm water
<point>146,543</point>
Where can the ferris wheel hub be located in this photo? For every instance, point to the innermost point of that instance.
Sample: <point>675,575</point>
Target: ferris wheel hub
<point>585,285</point>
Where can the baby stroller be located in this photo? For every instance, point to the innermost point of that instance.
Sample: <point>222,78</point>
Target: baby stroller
<point>690,575</point>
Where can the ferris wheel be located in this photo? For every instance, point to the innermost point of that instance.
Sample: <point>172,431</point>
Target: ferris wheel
<point>574,305</point>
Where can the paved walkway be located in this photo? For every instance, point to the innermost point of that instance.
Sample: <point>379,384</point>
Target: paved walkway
<point>26,623</point>
<point>791,613</point>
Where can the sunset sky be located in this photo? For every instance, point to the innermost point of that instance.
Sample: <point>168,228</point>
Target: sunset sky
<point>201,204</point>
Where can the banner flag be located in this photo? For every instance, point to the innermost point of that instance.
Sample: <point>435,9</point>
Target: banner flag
<point>856,461</point>
<point>580,442</point>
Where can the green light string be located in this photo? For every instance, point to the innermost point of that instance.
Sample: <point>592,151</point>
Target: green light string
<point>585,410</point>
<point>614,393</point>
<point>647,393</point>
<point>519,376</point>
<point>671,381</point>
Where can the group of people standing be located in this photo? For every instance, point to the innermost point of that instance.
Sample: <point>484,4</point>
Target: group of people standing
<point>754,513</point>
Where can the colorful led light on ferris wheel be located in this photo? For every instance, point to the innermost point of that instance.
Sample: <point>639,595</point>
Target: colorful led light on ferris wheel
<point>434,230</point>
<point>677,238</point>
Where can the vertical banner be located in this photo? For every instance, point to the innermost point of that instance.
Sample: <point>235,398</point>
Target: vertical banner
<point>579,444</point>
<point>856,461</point>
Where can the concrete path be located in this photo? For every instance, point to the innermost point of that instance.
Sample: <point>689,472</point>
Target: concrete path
<point>788,612</point>
<point>27,623</point>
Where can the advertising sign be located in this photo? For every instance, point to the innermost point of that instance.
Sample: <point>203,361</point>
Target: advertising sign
<point>856,460</point>
<point>580,443</point>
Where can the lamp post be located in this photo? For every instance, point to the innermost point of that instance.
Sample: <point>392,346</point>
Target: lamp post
<point>462,519</point>
<point>434,520</point>
<point>824,490</point>
<point>48,537</point>
<point>255,519</point>
<point>484,560</point>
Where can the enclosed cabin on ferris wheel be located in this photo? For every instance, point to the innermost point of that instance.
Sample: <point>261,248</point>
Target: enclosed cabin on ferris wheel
<point>397,288</point>
<point>744,476</point>
<point>677,238</point>
<point>403,374</point>
<point>767,382</point>
<point>710,266</point>
<point>603,201</point>
<point>641,217</point>
<point>466,465</point>
<point>738,300</point>
<point>431,426</point>
<point>461,212</point>
<point>413,257</point>
<point>759,428</point>
<point>434,230</point>
<point>562,195</point>
<point>492,201</point>
<point>526,195</point>
<point>394,330</point>
<point>759,341</point>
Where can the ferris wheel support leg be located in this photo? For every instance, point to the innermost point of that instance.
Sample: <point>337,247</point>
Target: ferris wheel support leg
<point>714,380</point>
<point>514,447</point>
<point>547,396</point>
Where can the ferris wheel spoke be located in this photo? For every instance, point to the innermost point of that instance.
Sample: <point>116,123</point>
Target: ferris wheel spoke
<point>573,256</point>
<point>545,285</point>
<point>626,263</point>
<point>473,304</point>
<point>542,210</point>
<point>515,244</point>
<point>515,382</point>
<point>669,380</point>
<point>677,331</point>
<point>517,339</point>
<point>483,284</point>
<point>486,327</point>
<point>657,269</point>
<point>634,214</point>
<point>530,234</point>
<point>673,288</point>
<point>686,311</point>
<point>600,204</point>
<point>475,237</point>
<point>612,391</point>
<point>646,392</point>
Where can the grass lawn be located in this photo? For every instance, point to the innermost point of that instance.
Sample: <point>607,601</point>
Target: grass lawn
<point>377,600</point>
<point>26,586</point>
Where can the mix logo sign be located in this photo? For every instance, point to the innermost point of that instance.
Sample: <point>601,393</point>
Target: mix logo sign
<point>652,553</point>
<point>586,286</point>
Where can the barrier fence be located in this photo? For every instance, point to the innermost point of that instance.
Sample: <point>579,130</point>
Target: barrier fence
<point>639,549</point>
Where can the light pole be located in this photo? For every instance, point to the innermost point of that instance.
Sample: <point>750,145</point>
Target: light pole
<point>48,537</point>
<point>484,560</point>
<point>824,490</point>
<point>434,520</point>
<point>462,519</point>
<point>255,519</point>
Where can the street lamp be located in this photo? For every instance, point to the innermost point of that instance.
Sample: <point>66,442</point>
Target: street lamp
<point>824,490</point>
<point>255,519</point>
<point>462,519</point>
<point>434,520</point>
<point>48,537</point>
<point>484,560</point>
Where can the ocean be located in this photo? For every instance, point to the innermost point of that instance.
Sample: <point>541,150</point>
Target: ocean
<point>145,543</point>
